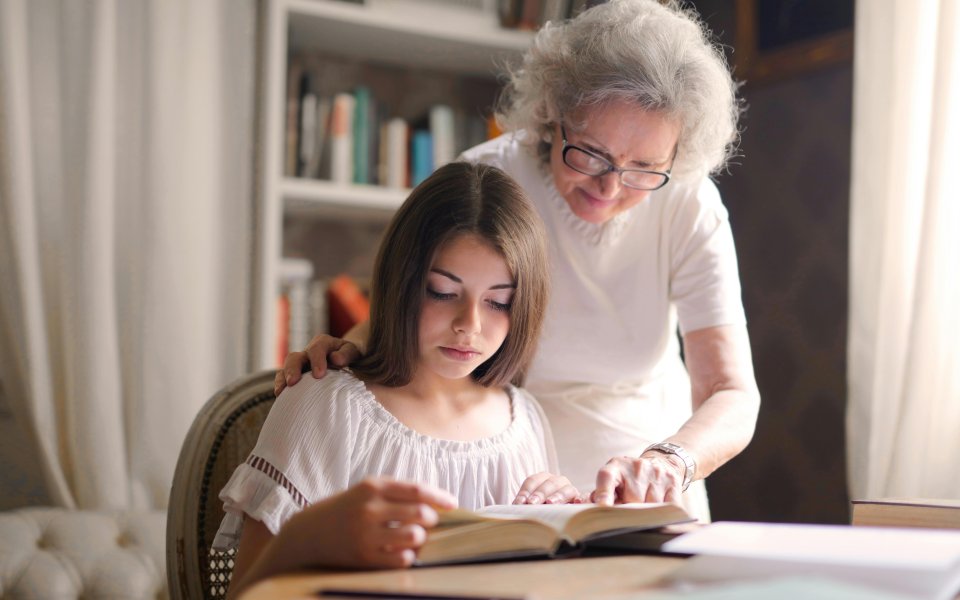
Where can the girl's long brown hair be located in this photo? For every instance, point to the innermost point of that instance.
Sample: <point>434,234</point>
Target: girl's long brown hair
<point>459,198</point>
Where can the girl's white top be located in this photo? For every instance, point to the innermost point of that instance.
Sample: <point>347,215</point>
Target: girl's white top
<point>324,435</point>
<point>608,370</point>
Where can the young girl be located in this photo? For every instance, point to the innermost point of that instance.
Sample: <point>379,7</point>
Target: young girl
<point>459,292</point>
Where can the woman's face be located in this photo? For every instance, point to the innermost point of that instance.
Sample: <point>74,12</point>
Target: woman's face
<point>625,135</point>
<point>465,315</point>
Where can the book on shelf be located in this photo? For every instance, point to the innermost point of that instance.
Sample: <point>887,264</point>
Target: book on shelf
<point>306,124</point>
<point>554,10</point>
<point>530,13</point>
<point>442,132</point>
<point>906,512</point>
<point>550,530</point>
<point>341,138</point>
<point>347,304</point>
<point>421,156</point>
<point>312,138</point>
<point>362,129</point>
<point>394,162</point>
<point>295,277</point>
<point>317,302</point>
<point>292,134</point>
<point>493,128</point>
<point>917,563</point>
<point>353,138</point>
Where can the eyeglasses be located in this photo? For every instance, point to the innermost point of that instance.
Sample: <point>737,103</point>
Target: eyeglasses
<point>588,163</point>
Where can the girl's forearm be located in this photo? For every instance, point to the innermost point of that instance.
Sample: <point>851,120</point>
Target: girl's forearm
<point>284,553</point>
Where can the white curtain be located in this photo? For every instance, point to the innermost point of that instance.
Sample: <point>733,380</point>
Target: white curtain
<point>125,202</point>
<point>903,357</point>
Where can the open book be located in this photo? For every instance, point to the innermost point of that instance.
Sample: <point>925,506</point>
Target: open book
<point>507,531</point>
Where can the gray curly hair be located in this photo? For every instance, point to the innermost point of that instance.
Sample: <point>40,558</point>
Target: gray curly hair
<point>658,56</point>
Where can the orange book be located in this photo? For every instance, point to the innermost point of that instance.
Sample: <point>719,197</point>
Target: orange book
<point>493,130</point>
<point>347,304</point>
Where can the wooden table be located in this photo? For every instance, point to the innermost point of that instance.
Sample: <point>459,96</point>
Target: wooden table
<point>604,577</point>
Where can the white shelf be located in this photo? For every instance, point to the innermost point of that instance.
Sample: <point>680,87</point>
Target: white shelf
<point>313,197</point>
<point>432,36</point>
<point>428,35</point>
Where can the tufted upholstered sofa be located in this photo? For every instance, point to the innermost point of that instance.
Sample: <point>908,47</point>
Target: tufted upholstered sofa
<point>60,554</point>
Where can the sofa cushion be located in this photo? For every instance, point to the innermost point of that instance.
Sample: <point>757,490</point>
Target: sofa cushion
<point>55,553</point>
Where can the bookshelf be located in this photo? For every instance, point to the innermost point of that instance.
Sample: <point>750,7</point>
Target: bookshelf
<point>443,38</point>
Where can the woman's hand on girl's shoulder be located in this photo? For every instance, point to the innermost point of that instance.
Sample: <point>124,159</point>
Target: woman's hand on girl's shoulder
<point>321,350</point>
<point>547,488</point>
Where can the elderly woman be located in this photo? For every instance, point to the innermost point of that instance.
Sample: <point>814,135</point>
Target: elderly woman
<point>616,120</point>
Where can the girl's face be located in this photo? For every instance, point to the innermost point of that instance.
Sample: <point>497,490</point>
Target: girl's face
<point>465,314</point>
<point>627,137</point>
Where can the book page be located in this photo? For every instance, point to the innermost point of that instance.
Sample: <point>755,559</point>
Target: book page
<point>554,515</point>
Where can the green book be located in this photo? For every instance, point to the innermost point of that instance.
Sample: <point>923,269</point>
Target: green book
<point>361,135</point>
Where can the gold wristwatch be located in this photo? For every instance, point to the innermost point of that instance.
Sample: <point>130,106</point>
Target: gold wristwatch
<point>689,465</point>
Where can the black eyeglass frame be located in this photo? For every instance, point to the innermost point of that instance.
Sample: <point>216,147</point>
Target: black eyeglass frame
<point>612,168</point>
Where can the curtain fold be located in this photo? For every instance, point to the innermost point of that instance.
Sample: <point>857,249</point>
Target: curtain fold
<point>126,155</point>
<point>903,361</point>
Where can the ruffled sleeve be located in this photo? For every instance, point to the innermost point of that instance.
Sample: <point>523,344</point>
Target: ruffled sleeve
<point>302,455</point>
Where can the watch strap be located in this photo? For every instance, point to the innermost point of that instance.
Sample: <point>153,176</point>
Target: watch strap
<point>689,464</point>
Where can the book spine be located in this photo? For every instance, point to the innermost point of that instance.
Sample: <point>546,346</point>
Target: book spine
<point>317,302</point>
<point>295,274</point>
<point>308,128</point>
<point>530,15</point>
<point>294,73</point>
<point>509,13</point>
<point>348,305</point>
<point>442,133</point>
<point>361,135</point>
<point>341,139</point>
<point>396,153</point>
<point>319,136</point>
<point>493,130</point>
<point>421,156</point>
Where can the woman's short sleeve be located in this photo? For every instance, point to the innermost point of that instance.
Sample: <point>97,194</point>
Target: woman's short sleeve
<point>704,278</point>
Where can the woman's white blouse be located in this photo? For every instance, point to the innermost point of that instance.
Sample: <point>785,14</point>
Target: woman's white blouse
<point>324,435</point>
<point>608,370</point>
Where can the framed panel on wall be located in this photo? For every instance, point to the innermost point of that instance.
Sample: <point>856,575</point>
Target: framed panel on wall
<point>780,38</point>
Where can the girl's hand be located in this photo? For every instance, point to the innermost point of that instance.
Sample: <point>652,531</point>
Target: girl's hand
<point>319,351</point>
<point>378,523</point>
<point>547,488</point>
<point>654,477</point>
